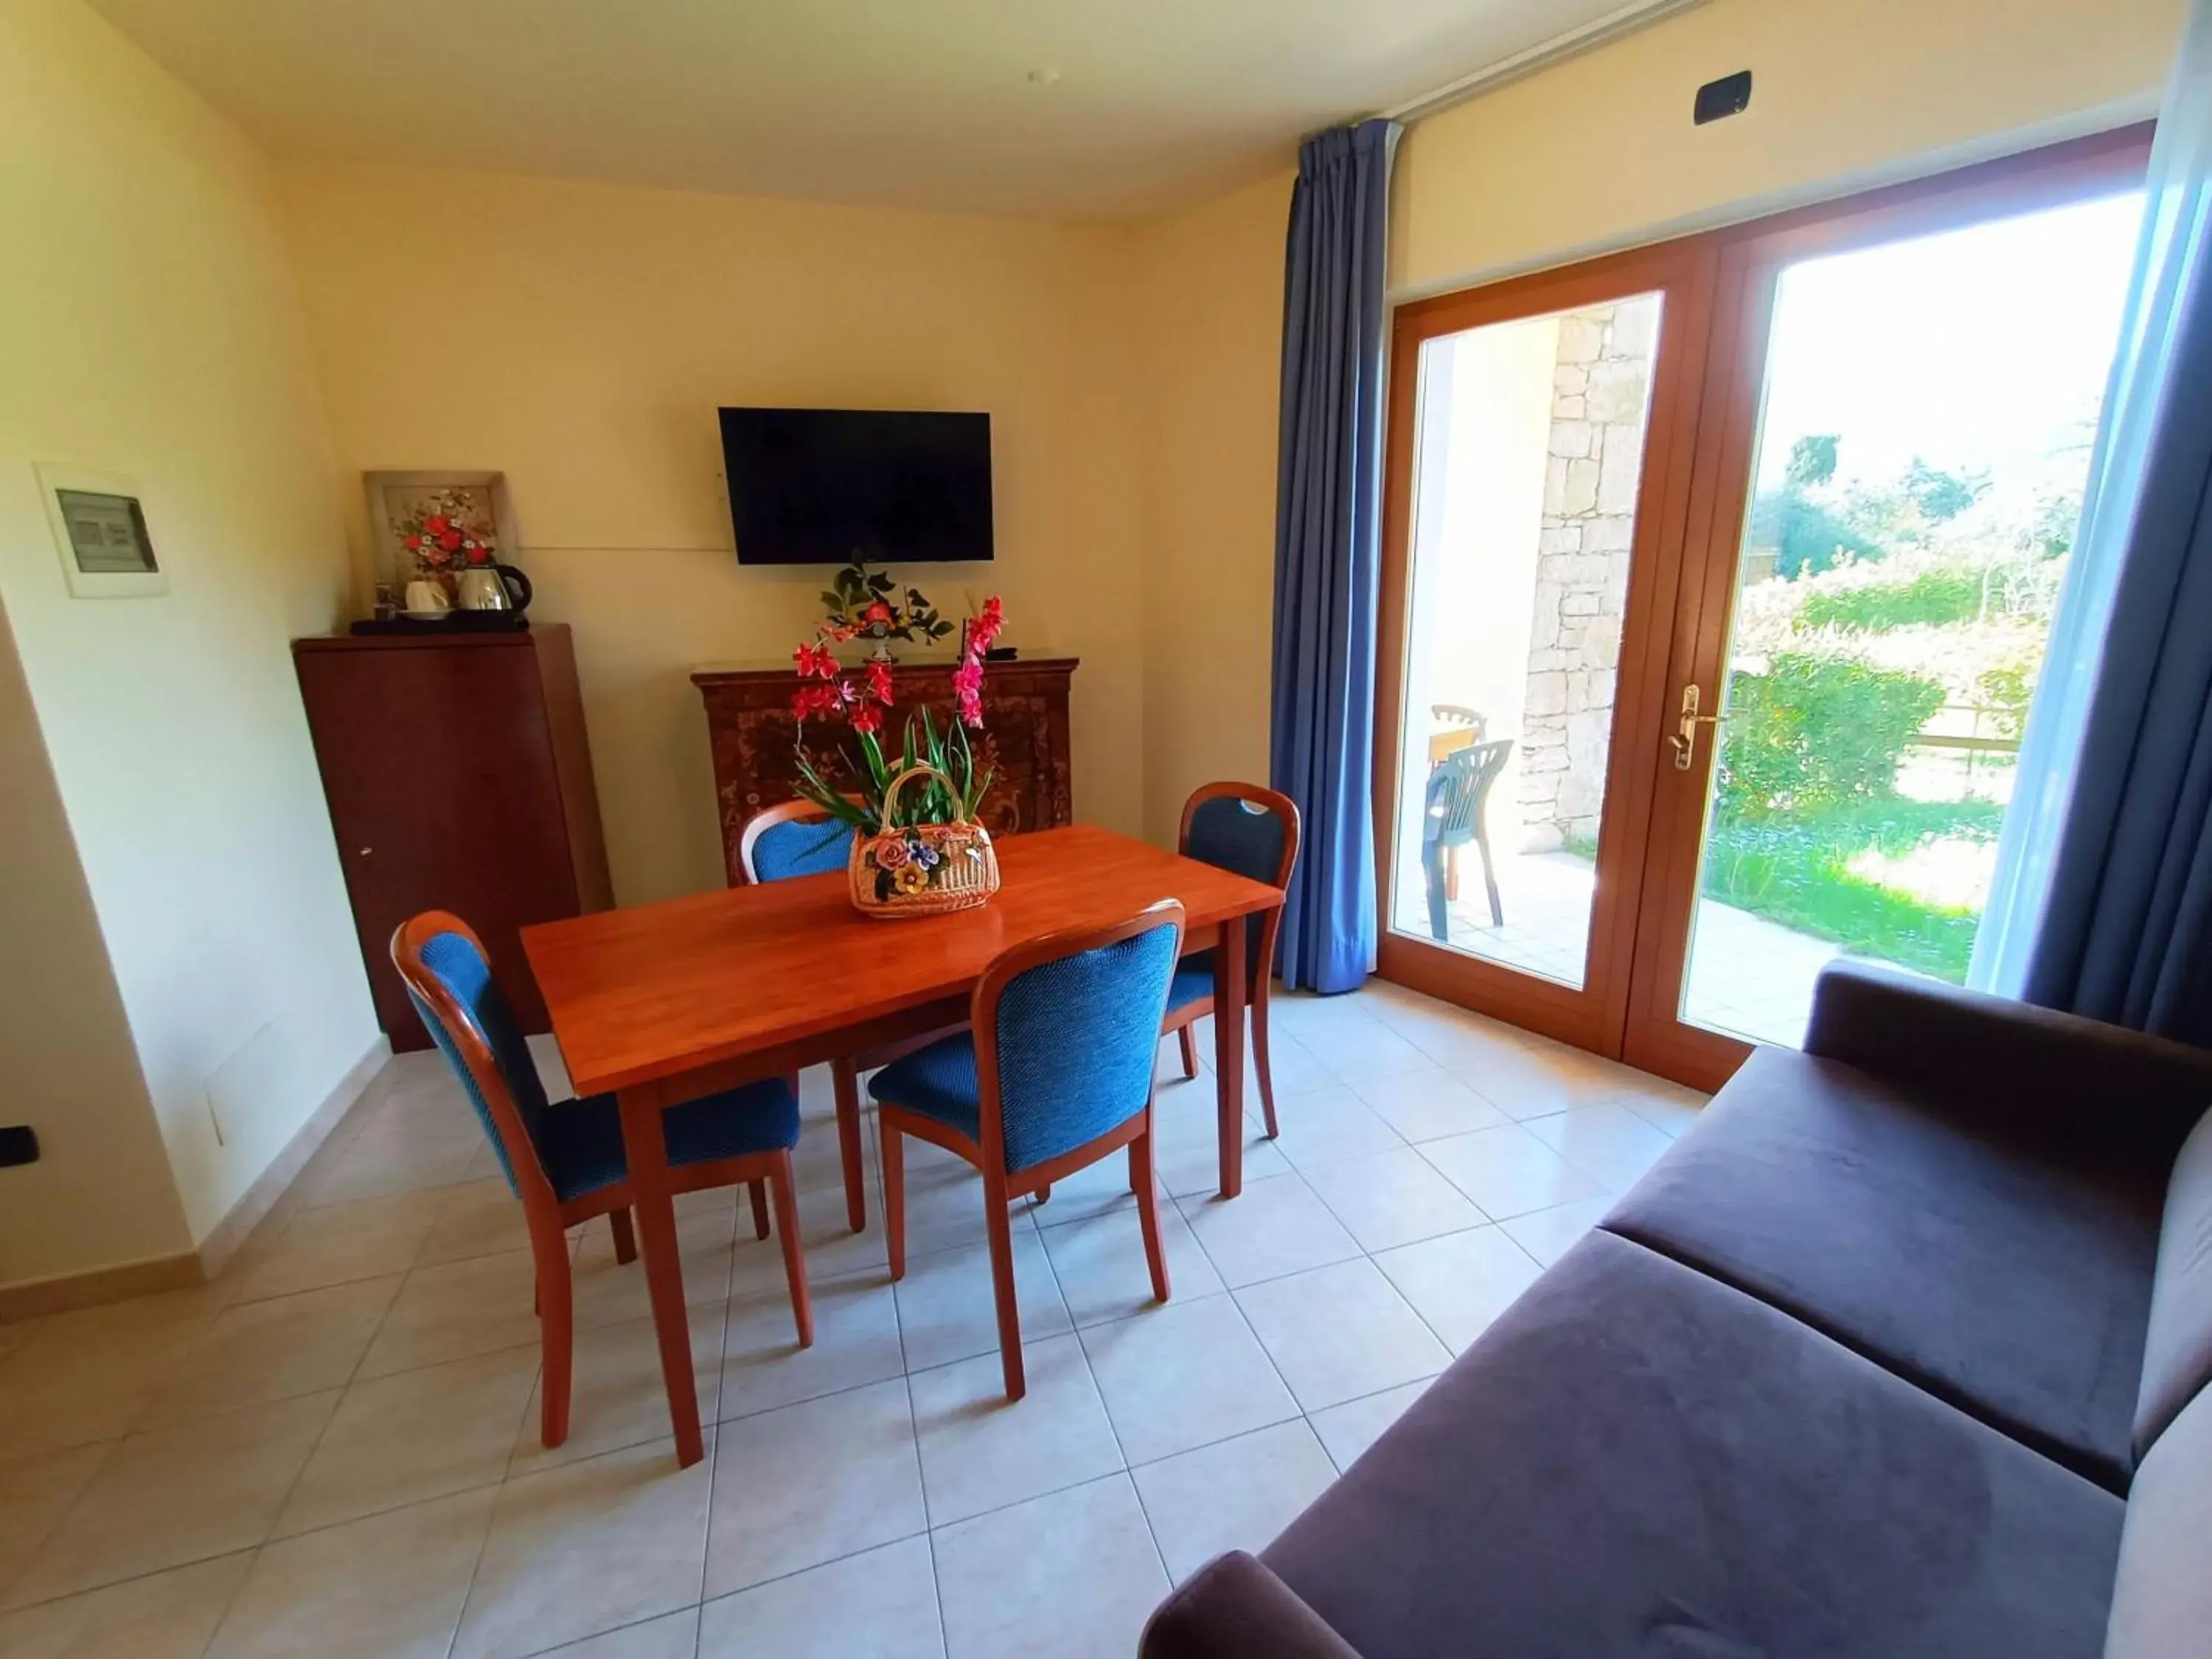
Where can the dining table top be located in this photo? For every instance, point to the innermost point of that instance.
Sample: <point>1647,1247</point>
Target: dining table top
<point>653,991</point>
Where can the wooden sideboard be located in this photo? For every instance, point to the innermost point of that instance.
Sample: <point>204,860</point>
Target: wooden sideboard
<point>1024,738</point>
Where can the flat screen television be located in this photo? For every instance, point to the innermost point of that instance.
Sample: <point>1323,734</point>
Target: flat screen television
<point>823,486</point>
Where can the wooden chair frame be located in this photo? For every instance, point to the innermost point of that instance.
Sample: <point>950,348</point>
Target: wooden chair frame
<point>1181,1020</point>
<point>987,1153</point>
<point>844,1070</point>
<point>547,1216</point>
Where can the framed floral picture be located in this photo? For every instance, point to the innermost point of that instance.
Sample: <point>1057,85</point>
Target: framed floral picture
<point>430,526</point>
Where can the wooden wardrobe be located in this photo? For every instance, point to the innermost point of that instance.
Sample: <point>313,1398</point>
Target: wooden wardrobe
<point>458,778</point>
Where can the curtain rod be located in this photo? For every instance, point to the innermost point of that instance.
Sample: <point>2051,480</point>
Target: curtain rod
<point>1586,37</point>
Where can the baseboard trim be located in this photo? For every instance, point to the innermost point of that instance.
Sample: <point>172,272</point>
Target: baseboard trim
<point>117,1282</point>
<point>254,1205</point>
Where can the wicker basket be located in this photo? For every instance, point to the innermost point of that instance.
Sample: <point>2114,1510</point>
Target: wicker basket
<point>921,869</point>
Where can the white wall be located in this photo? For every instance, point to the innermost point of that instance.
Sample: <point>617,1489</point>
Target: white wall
<point>149,325</point>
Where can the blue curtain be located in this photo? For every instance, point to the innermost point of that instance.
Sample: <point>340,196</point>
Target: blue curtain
<point>1328,526</point>
<point>2105,889</point>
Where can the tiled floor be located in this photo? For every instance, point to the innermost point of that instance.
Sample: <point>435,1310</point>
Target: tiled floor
<point>1749,976</point>
<point>334,1450</point>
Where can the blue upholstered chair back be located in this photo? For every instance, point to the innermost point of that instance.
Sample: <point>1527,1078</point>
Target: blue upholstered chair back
<point>1245,836</point>
<point>1075,1038</point>
<point>801,847</point>
<point>456,964</point>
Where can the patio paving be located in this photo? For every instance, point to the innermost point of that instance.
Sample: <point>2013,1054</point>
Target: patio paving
<point>1749,976</point>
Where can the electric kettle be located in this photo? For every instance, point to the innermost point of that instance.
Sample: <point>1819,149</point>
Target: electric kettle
<point>493,587</point>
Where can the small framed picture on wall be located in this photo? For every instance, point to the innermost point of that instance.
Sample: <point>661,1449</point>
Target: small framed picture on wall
<point>99,523</point>
<point>430,526</point>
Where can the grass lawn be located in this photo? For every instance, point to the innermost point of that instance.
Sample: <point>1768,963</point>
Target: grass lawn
<point>1797,872</point>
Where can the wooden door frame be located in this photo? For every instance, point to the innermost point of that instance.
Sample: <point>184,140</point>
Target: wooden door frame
<point>1696,482</point>
<point>1684,271</point>
<point>1751,258</point>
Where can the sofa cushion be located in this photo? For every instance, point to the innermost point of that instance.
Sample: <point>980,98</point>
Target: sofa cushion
<point>1234,1609</point>
<point>2162,1601</point>
<point>2177,1355</point>
<point>1637,1459</point>
<point>2008,1273</point>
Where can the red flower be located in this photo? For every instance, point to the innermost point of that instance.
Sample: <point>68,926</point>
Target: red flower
<point>449,539</point>
<point>985,628</point>
<point>414,543</point>
<point>435,524</point>
<point>479,554</point>
<point>815,661</point>
<point>867,717</point>
<point>879,683</point>
<point>812,700</point>
<point>968,689</point>
<point>877,612</point>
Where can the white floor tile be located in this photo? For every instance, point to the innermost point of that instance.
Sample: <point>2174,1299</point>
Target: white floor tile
<point>856,1341</point>
<point>1509,1172</point>
<point>1272,1228</point>
<point>1089,1576</point>
<point>1329,1126</point>
<point>1350,1429</point>
<point>1547,1235</point>
<point>1339,1332</point>
<point>167,1615</point>
<point>1183,1376</point>
<point>1460,1283</point>
<point>1608,1140</point>
<point>1233,1495</point>
<point>880,1604</point>
<point>390,1587</point>
<point>947,1310</point>
<point>811,1483</point>
<point>1101,1268</point>
<point>1393,1198</point>
<point>1427,1105</point>
<point>980,1451</point>
<point>581,1549</point>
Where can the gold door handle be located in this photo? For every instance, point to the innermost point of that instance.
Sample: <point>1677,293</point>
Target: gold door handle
<point>1683,739</point>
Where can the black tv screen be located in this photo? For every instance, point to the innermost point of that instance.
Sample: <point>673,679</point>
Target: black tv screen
<point>823,486</point>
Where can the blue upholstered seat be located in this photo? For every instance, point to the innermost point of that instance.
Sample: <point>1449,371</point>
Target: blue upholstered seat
<point>579,1142</point>
<point>1075,1038</point>
<point>1192,981</point>
<point>801,847</point>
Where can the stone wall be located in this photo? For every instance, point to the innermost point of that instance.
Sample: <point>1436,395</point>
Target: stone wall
<point>1600,390</point>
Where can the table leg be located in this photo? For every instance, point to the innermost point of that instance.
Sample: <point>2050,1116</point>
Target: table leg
<point>645,1146</point>
<point>1229,983</point>
<point>847,1078</point>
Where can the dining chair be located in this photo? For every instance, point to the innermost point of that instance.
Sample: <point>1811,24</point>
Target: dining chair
<point>1254,832</point>
<point>564,1159</point>
<point>798,838</point>
<point>1054,1073</point>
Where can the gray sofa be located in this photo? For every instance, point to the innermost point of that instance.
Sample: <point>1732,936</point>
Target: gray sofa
<point>1899,1353</point>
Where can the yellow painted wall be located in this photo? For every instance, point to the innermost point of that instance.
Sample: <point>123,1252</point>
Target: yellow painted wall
<point>149,325</point>
<point>580,337</point>
<point>1599,151</point>
<point>1210,301</point>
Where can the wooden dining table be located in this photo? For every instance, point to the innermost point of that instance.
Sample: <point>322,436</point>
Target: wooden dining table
<point>661,1004</point>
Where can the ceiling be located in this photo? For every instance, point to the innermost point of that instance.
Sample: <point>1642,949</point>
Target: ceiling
<point>1081,109</point>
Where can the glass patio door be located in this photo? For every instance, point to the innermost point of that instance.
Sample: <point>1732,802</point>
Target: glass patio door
<point>1716,583</point>
<point>1532,537</point>
<point>1902,396</point>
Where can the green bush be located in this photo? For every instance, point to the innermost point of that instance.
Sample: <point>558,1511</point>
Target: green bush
<point>1814,732</point>
<point>1949,593</point>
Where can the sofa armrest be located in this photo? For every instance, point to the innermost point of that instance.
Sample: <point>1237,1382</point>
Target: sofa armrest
<point>1235,1608</point>
<point>2009,1060</point>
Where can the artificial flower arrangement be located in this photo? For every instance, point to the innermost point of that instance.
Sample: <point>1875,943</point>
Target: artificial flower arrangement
<point>860,603</point>
<point>446,531</point>
<point>917,851</point>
